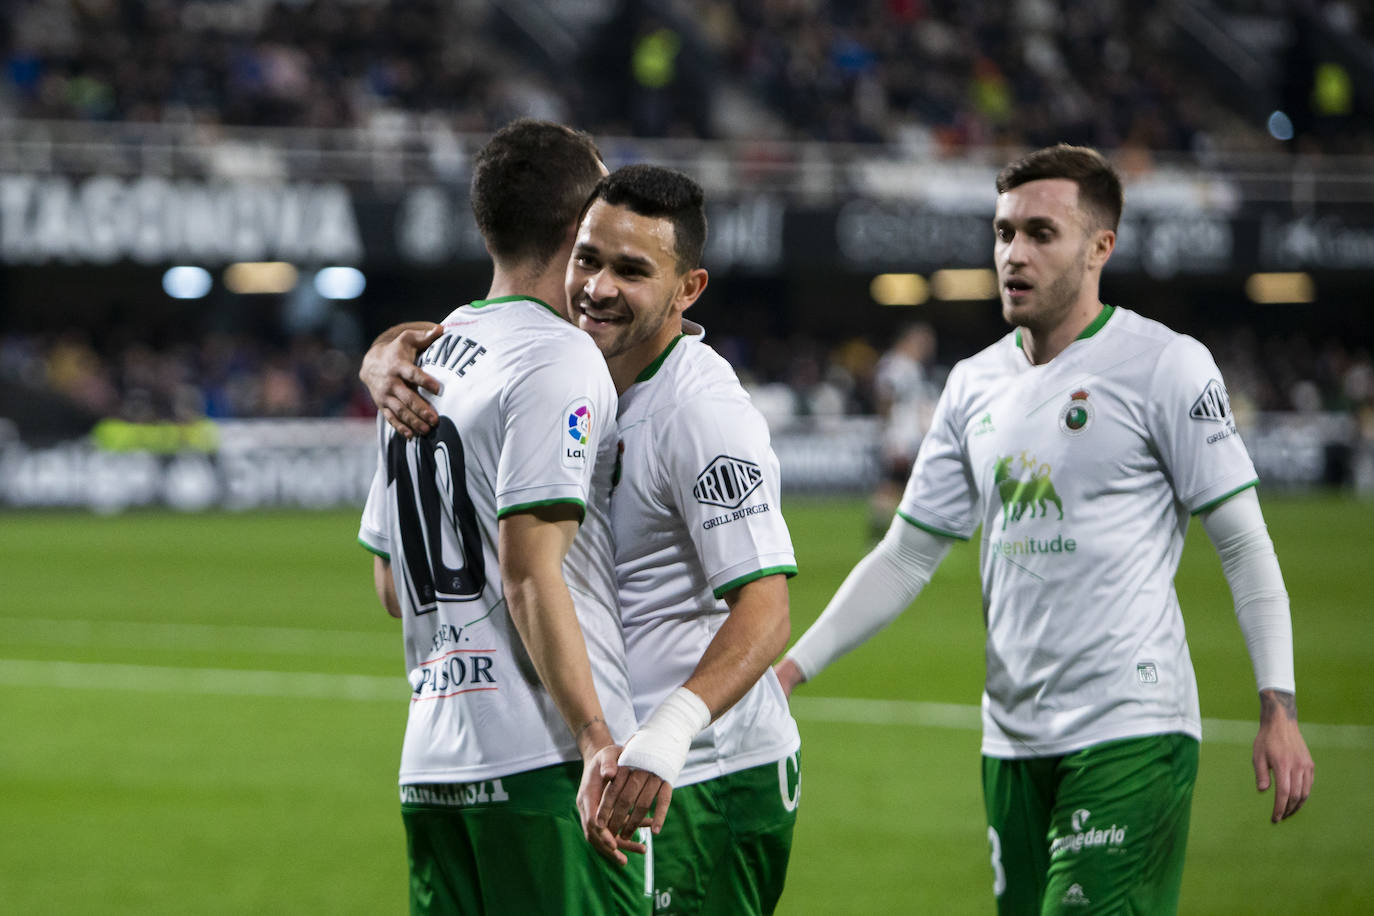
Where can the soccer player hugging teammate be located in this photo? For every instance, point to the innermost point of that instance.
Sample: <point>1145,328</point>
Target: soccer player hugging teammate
<point>493,547</point>
<point>1081,443</point>
<point>702,556</point>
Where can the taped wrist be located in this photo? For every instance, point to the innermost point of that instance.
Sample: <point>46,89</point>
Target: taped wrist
<point>660,746</point>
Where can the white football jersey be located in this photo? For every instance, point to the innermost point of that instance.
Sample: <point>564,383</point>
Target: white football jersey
<point>526,419</point>
<point>695,513</point>
<point>1082,473</point>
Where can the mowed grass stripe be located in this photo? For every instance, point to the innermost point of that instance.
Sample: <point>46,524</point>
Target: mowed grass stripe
<point>121,634</point>
<point>205,681</point>
<point>362,687</point>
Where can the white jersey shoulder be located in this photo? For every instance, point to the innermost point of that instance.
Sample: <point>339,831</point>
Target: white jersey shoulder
<point>526,419</point>
<point>696,514</point>
<point>1082,474</point>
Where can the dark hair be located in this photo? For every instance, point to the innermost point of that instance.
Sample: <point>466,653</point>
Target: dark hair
<point>1099,187</point>
<point>654,191</point>
<point>528,186</point>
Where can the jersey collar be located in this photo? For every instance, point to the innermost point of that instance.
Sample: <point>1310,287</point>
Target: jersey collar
<point>657,364</point>
<point>499,299</point>
<point>1089,331</point>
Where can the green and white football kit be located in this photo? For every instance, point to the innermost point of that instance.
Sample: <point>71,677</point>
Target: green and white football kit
<point>526,419</point>
<point>696,514</point>
<point>1082,473</point>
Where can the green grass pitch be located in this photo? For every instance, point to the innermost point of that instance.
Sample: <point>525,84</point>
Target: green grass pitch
<point>144,767</point>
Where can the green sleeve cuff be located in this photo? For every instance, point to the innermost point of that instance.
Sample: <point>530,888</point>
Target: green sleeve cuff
<point>525,507</point>
<point>1212,504</point>
<point>931,529</point>
<point>370,549</point>
<point>788,571</point>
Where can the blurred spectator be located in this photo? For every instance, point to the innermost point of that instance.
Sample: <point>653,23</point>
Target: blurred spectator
<point>906,387</point>
<point>1025,73</point>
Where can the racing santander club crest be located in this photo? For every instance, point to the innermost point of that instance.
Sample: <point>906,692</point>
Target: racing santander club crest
<point>1077,414</point>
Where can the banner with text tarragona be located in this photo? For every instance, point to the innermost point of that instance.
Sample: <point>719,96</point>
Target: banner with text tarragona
<point>100,220</point>
<point>320,464</point>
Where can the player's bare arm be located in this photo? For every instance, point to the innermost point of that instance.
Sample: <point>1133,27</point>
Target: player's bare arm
<point>532,547</point>
<point>753,634</point>
<point>390,375</point>
<point>385,584</point>
<point>1281,751</point>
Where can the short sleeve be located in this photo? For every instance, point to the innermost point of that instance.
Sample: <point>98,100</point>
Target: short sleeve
<point>1191,423</point>
<point>374,530</point>
<point>940,495</point>
<point>554,414</point>
<point>725,481</point>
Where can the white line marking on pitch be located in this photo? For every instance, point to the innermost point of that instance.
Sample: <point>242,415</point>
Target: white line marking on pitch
<point>366,687</point>
<point>127,634</point>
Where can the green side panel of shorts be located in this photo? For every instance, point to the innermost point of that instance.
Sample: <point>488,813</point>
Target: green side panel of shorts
<point>725,847</point>
<point>512,845</point>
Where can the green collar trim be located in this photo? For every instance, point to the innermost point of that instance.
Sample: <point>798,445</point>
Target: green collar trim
<point>499,299</point>
<point>1089,331</point>
<point>657,364</point>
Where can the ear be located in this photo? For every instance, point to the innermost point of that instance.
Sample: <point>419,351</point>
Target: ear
<point>1101,248</point>
<point>692,285</point>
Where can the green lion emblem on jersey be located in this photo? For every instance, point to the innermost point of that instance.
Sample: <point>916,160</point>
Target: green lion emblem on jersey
<point>1024,496</point>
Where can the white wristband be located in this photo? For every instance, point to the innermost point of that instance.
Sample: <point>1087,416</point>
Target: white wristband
<point>660,746</point>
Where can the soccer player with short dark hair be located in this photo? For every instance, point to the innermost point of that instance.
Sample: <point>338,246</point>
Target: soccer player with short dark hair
<point>1082,442</point>
<point>493,546</point>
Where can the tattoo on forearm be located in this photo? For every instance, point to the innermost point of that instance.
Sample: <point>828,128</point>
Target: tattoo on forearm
<point>586,725</point>
<point>1272,702</point>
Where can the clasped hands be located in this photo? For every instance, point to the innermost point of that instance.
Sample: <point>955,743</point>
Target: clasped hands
<point>614,801</point>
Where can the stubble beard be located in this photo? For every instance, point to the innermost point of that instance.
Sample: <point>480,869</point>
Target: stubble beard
<point>1056,302</point>
<point>623,338</point>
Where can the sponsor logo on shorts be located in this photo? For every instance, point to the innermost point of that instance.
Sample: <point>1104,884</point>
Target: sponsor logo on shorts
<point>1074,896</point>
<point>455,794</point>
<point>1147,673</point>
<point>1085,837</point>
<point>727,482</point>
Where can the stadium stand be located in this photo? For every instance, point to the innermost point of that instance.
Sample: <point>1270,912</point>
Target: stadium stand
<point>814,103</point>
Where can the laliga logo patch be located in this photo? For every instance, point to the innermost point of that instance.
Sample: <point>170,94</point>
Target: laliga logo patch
<point>579,424</point>
<point>1075,417</point>
<point>579,429</point>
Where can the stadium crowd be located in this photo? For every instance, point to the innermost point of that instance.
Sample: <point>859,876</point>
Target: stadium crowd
<point>938,74</point>
<point>233,376</point>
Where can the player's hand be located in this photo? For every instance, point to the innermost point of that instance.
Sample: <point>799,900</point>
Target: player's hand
<point>392,378</point>
<point>1280,749</point>
<point>629,798</point>
<point>789,675</point>
<point>598,774</point>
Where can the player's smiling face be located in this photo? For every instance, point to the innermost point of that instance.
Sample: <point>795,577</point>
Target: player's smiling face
<point>624,287</point>
<point>1042,252</point>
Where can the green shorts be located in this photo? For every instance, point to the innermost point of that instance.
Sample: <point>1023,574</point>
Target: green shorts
<point>512,845</point>
<point>1101,830</point>
<point>724,847</point>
